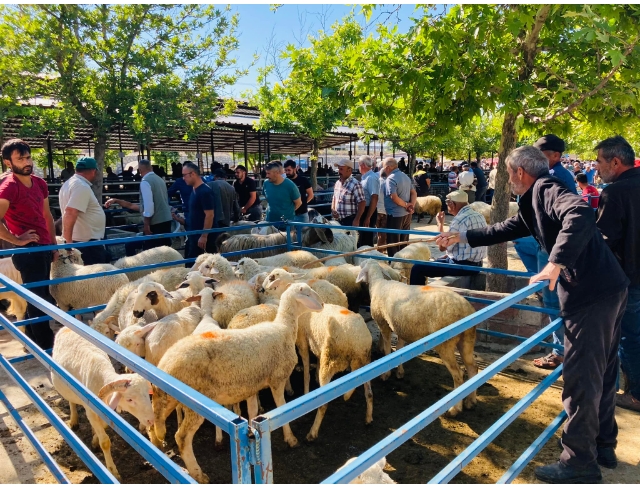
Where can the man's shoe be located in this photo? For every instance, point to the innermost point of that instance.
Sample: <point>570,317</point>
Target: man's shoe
<point>627,401</point>
<point>559,473</point>
<point>607,457</point>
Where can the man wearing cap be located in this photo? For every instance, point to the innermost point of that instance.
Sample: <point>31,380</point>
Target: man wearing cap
<point>348,203</point>
<point>381,220</point>
<point>247,194</point>
<point>467,182</point>
<point>371,186</point>
<point>592,288</point>
<point>282,194</point>
<point>83,219</point>
<point>464,219</point>
<point>228,198</point>
<point>154,206</point>
<point>399,202</point>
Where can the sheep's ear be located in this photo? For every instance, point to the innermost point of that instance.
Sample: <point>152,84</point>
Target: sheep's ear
<point>193,299</point>
<point>310,302</point>
<point>114,400</point>
<point>386,273</point>
<point>167,295</point>
<point>211,283</point>
<point>382,463</point>
<point>233,264</point>
<point>184,285</point>
<point>239,271</point>
<point>298,275</point>
<point>114,327</point>
<point>270,284</point>
<point>362,275</point>
<point>145,330</point>
<point>216,294</point>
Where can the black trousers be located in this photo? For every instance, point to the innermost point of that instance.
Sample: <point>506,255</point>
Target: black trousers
<point>419,273</point>
<point>254,214</point>
<point>157,229</point>
<point>481,193</point>
<point>590,370</point>
<point>34,267</point>
<point>366,238</point>
<point>347,221</point>
<point>96,254</point>
<point>397,223</point>
<point>192,250</point>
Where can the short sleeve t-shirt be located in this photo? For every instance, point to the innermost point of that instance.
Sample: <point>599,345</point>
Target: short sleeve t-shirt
<point>302,184</point>
<point>77,193</point>
<point>399,183</point>
<point>595,196</point>
<point>202,199</point>
<point>244,189</point>
<point>281,197</point>
<point>26,207</point>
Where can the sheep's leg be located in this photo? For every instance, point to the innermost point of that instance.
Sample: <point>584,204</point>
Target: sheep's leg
<point>179,414</point>
<point>73,415</point>
<point>465,347</point>
<point>287,387</point>
<point>163,406</point>
<point>278,397</point>
<point>430,219</point>
<point>303,350</point>
<point>191,422</point>
<point>368,393</point>
<point>104,441</point>
<point>400,369</point>
<point>385,336</point>
<point>446,352</point>
<point>326,374</point>
<point>252,407</point>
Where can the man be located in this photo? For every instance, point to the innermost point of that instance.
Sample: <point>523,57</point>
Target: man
<point>111,176</point>
<point>247,195</point>
<point>181,188</point>
<point>228,198</point>
<point>452,178</point>
<point>370,183</point>
<point>304,188</point>
<point>128,174</point>
<point>590,172</point>
<point>422,180</point>
<point>593,293</point>
<point>281,193</point>
<point>589,193</point>
<point>348,202</point>
<point>464,218</point>
<point>24,206</point>
<point>467,182</point>
<point>381,220</point>
<point>83,219</point>
<point>492,183</point>
<point>154,206</point>
<point>619,221</point>
<point>481,186</point>
<point>577,169</point>
<point>67,172</point>
<point>399,202</point>
<point>201,213</point>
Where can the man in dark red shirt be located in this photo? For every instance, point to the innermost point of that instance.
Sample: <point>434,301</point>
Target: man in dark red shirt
<point>24,206</point>
<point>588,190</point>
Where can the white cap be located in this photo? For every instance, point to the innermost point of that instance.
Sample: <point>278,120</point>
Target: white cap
<point>344,162</point>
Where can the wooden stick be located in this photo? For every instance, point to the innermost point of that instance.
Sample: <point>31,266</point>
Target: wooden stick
<point>362,251</point>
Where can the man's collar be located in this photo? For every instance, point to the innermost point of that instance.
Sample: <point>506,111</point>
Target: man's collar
<point>82,178</point>
<point>629,173</point>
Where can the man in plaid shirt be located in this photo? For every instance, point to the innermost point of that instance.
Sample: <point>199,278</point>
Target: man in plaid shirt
<point>348,202</point>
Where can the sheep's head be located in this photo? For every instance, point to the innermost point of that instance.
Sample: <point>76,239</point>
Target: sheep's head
<point>371,271</point>
<point>257,281</point>
<point>246,266</point>
<point>314,235</point>
<point>216,266</point>
<point>148,296</point>
<point>133,337</point>
<point>197,282</point>
<point>109,327</point>
<point>129,393</point>
<point>302,297</point>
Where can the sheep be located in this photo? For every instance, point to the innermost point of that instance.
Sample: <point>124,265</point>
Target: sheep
<point>230,366</point>
<point>359,259</point>
<point>84,293</point>
<point>207,323</point>
<point>230,298</point>
<point>343,278</point>
<point>146,257</point>
<point>375,474</point>
<point>430,205</point>
<point>227,243</point>
<point>413,251</point>
<point>295,258</point>
<point>330,239</point>
<point>328,292</point>
<point>414,312</point>
<point>215,265</point>
<point>17,304</point>
<point>248,268</point>
<point>93,368</point>
<point>253,315</point>
<point>485,210</point>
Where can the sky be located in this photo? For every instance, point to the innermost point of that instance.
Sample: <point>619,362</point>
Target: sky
<point>260,27</point>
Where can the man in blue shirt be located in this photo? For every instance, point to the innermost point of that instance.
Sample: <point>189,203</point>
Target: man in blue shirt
<point>590,172</point>
<point>282,194</point>
<point>371,186</point>
<point>482,184</point>
<point>180,187</point>
<point>399,202</point>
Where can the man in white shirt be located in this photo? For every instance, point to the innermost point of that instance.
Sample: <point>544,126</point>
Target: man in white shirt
<point>467,182</point>
<point>83,219</point>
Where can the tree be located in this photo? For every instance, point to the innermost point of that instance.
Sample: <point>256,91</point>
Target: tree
<point>134,65</point>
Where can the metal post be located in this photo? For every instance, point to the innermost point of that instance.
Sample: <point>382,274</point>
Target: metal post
<point>268,146</point>
<point>213,152</point>
<point>89,146</point>
<point>233,154</point>
<point>289,247</point>
<point>264,468</point>
<point>367,148</point>
<point>259,153</point>
<point>382,150</point>
<point>350,152</point>
<point>442,158</point>
<point>246,152</point>
<point>149,153</point>
<point>50,157</point>
<point>469,157</point>
<point>120,146</point>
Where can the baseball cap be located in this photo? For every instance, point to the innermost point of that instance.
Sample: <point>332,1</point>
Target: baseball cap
<point>86,163</point>
<point>344,162</point>
<point>550,142</point>
<point>458,196</point>
<point>219,173</point>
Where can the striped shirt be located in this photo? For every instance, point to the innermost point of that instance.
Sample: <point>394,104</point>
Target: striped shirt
<point>347,196</point>
<point>452,179</point>
<point>466,219</point>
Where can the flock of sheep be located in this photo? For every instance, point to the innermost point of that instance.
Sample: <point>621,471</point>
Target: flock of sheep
<point>230,329</point>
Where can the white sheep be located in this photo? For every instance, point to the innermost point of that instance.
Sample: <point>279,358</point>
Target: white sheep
<point>413,251</point>
<point>17,305</point>
<point>230,298</point>
<point>374,475</point>
<point>248,268</point>
<point>328,292</point>
<point>230,366</point>
<point>340,276</point>
<point>84,293</point>
<point>414,312</point>
<point>430,205</point>
<point>360,258</point>
<point>146,257</point>
<point>485,210</point>
<point>253,315</point>
<point>295,258</point>
<point>93,368</point>
<point>228,243</point>
<point>216,266</point>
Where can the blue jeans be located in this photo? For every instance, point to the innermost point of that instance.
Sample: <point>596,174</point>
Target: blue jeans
<point>630,341</point>
<point>534,259</point>
<point>304,218</point>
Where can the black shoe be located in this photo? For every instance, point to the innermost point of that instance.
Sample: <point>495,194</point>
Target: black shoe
<point>607,457</point>
<point>559,473</point>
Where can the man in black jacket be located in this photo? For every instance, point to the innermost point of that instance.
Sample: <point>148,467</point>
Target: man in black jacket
<point>592,290</point>
<point>619,222</point>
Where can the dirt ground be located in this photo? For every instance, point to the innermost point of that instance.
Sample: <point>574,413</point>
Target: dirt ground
<point>343,433</point>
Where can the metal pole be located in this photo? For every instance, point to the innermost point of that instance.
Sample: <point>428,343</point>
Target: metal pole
<point>246,152</point>
<point>368,148</point>
<point>382,150</point>
<point>213,152</point>
<point>469,157</point>
<point>268,146</point>
<point>50,157</point>
<point>259,153</point>
<point>89,146</point>
<point>442,157</point>
<point>149,153</point>
<point>120,146</point>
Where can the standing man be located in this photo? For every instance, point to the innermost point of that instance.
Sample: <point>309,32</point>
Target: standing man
<point>154,206</point>
<point>371,186</point>
<point>348,203</point>
<point>619,222</point>
<point>467,182</point>
<point>381,221</point>
<point>452,178</point>
<point>201,213</point>
<point>67,172</point>
<point>593,293</point>
<point>481,186</point>
<point>247,195</point>
<point>399,201</point>
<point>83,219</point>
<point>180,187</point>
<point>228,198</point>
<point>281,193</point>
<point>492,183</point>
<point>24,206</point>
<point>589,172</point>
<point>304,188</point>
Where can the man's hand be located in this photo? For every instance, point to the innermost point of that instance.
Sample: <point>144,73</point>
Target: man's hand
<point>334,214</point>
<point>355,223</point>
<point>447,238</point>
<point>243,210</point>
<point>26,238</point>
<point>202,241</point>
<point>111,201</point>
<point>147,230</point>
<point>440,218</point>
<point>551,272</point>
<point>56,255</point>
<point>410,208</point>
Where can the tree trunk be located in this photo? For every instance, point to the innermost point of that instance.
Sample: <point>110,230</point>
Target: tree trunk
<point>497,254</point>
<point>411,162</point>
<point>313,173</point>
<point>100,148</point>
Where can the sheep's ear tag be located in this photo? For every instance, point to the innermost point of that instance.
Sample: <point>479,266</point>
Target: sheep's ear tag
<point>150,389</point>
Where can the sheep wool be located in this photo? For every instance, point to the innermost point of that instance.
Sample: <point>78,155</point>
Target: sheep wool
<point>230,298</point>
<point>415,251</point>
<point>17,305</point>
<point>430,205</point>
<point>146,257</point>
<point>295,258</point>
